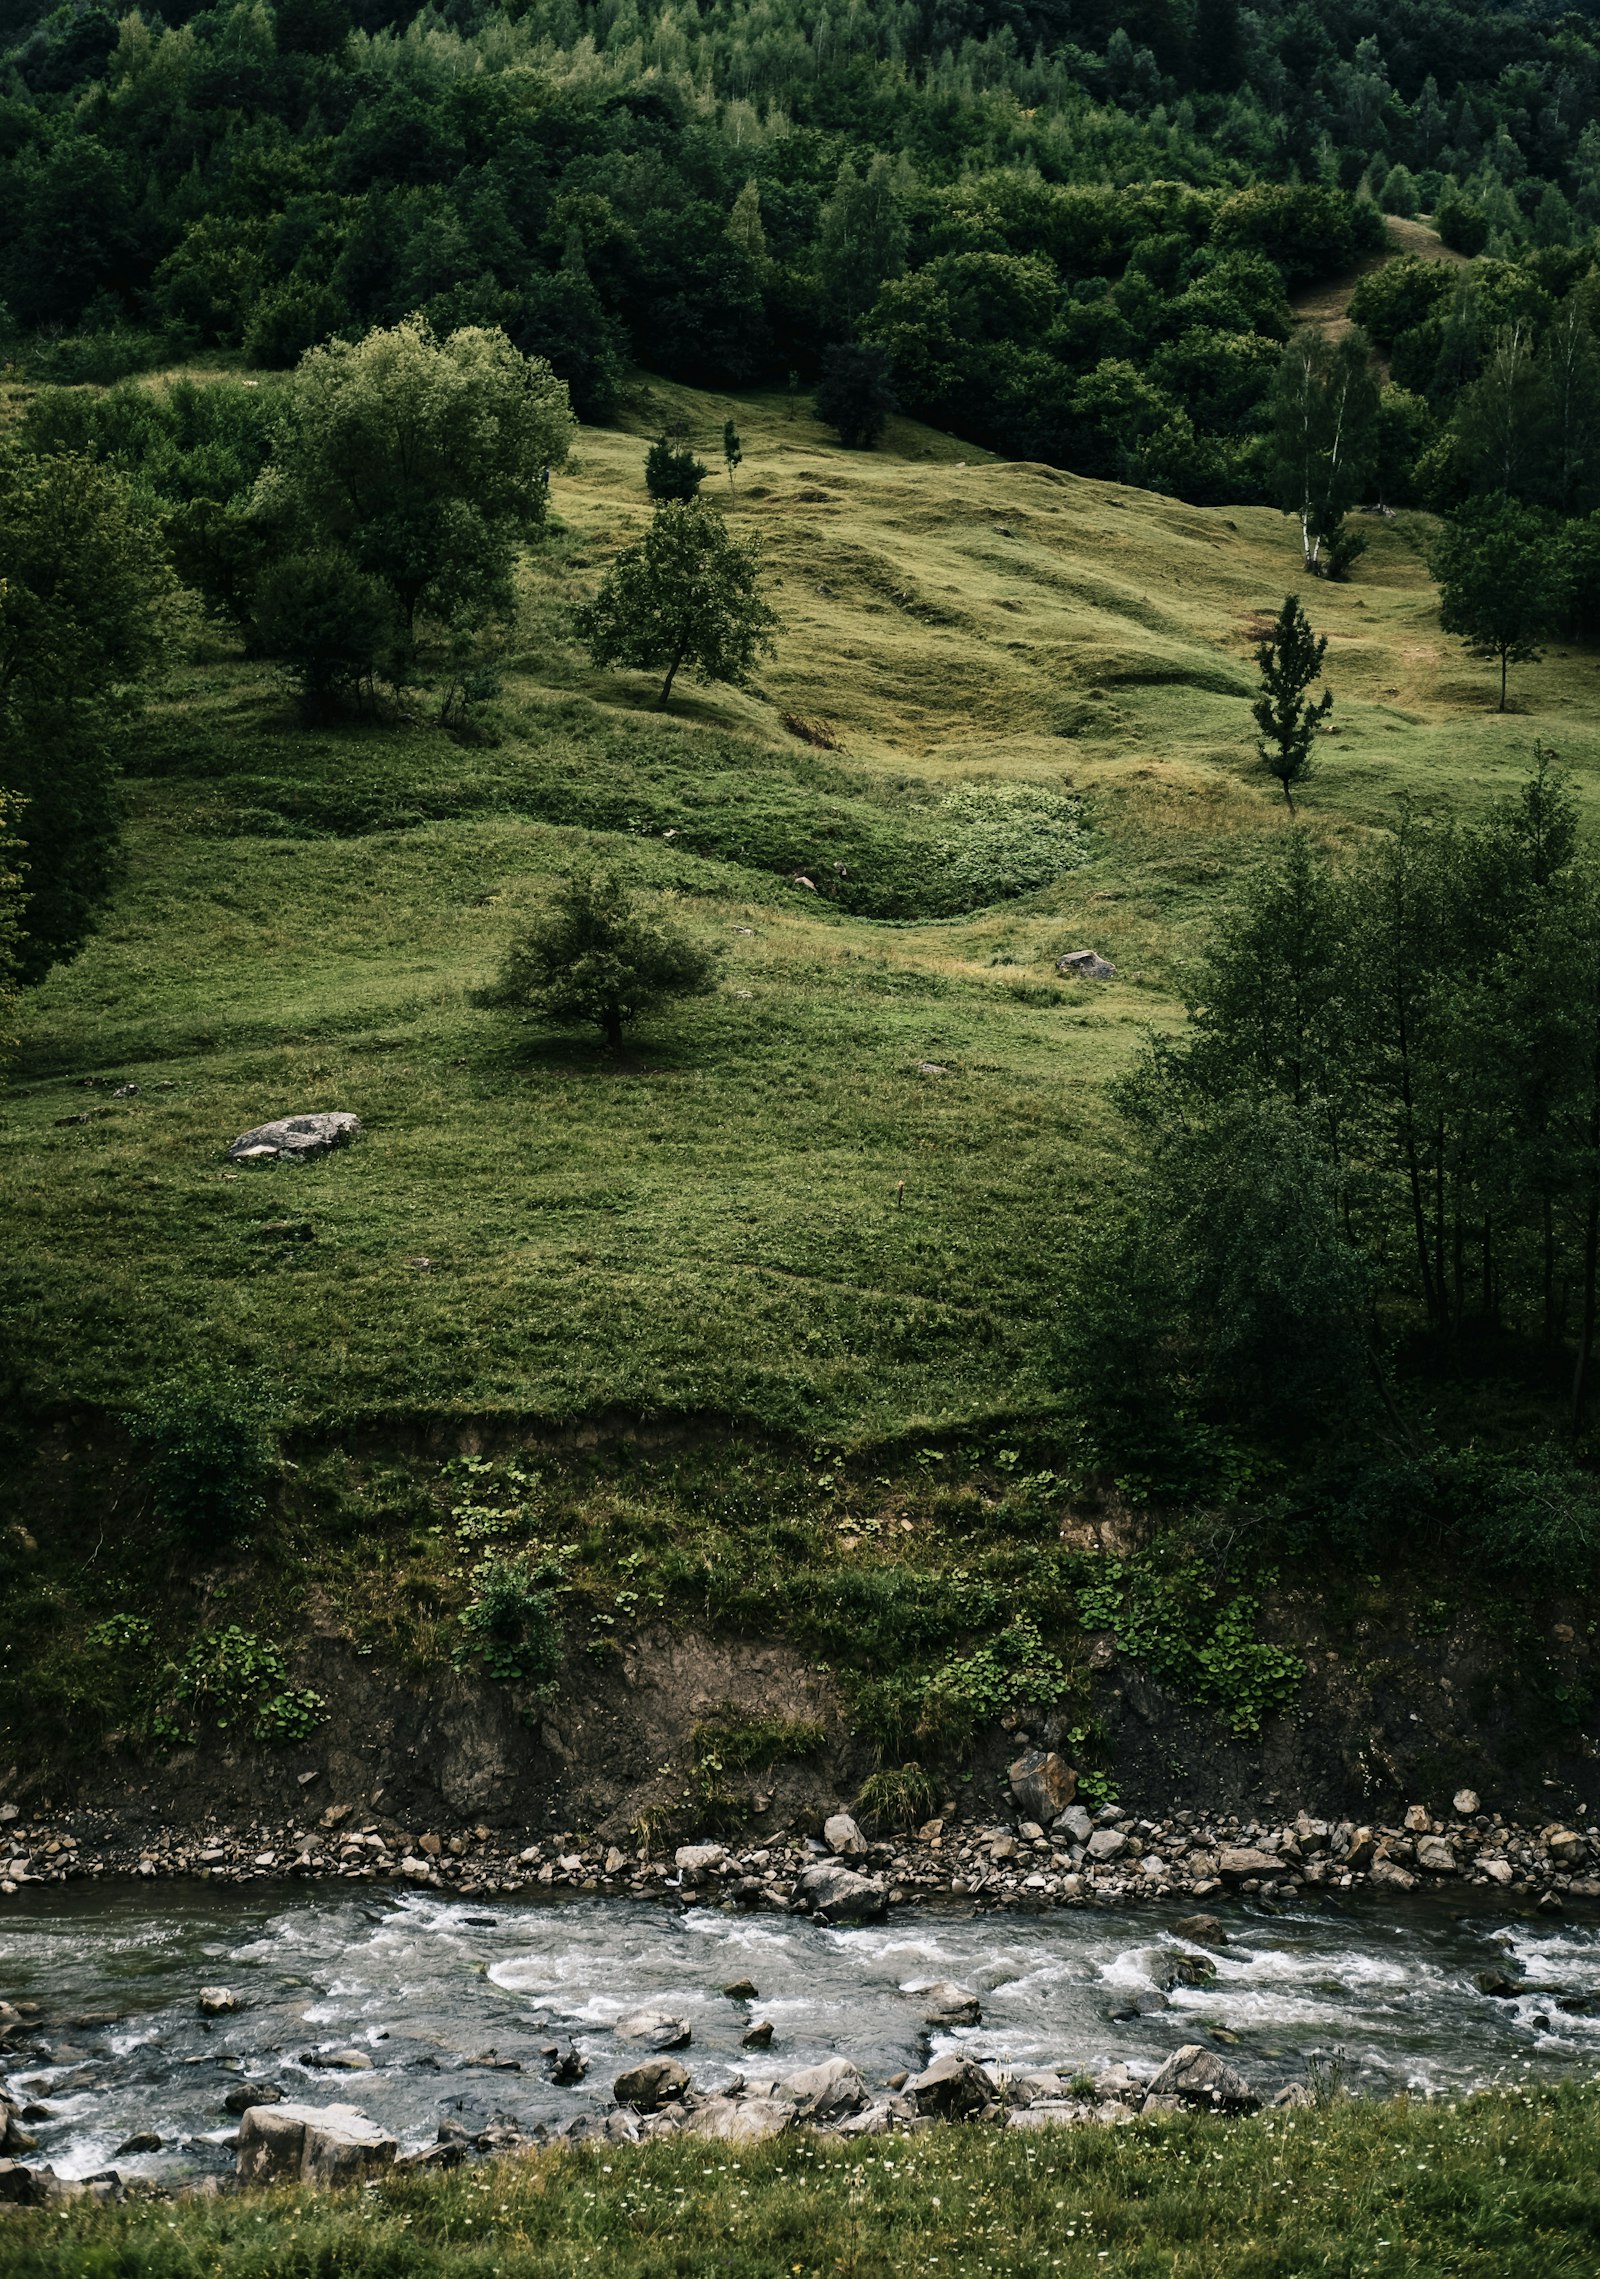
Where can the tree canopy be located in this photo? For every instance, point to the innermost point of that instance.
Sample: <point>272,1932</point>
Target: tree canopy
<point>686,597</point>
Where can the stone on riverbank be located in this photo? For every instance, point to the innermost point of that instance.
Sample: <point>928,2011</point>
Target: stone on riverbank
<point>1043,1783</point>
<point>657,2081</point>
<point>841,1894</point>
<point>310,2144</point>
<point>1196,2076</point>
<point>657,2029</point>
<point>824,2092</point>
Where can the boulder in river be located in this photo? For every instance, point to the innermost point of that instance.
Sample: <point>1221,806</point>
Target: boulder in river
<point>1236,1861</point>
<point>310,2144</point>
<point>946,2004</point>
<point>218,2001</point>
<point>296,1139</point>
<point>657,2029</point>
<point>1196,2076</point>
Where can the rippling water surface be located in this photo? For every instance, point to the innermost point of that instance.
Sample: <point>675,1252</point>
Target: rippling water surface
<point>452,2002</point>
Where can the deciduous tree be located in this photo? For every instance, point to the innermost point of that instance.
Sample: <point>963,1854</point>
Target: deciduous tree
<point>1502,580</point>
<point>686,597</point>
<point>595,958</point>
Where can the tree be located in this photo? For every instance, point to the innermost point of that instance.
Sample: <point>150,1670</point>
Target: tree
<point>12,903</point>
<point>87,607</point>
<point>862,241</point>
<point>856,397</point>
<point>1324,440</point>
<point>1504,420</point>
<point>1502,580</point>
<point>427,461</point>
<point>732,450</point>
<point>1289,660</point>
<point>687,595</point>
<point>594,958</point>
<point>671,471</point>
<point>333,626</point>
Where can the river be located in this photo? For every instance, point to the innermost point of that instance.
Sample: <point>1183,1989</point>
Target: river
<point>453,2002</point>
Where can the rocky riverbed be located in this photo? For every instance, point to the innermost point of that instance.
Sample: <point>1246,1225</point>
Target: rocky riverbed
<point>1049,1851</point>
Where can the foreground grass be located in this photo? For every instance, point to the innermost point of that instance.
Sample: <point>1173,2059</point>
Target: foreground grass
<point>1504,2182</point>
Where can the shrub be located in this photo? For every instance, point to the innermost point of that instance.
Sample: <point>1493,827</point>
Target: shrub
<point>512,1619</point>
<point>231,1677</point>
<point>208,1456</point>
<point>897,1797</point>
<point>594,958</point>
<point>671,472</point>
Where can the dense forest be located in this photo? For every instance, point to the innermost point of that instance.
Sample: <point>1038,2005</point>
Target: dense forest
<point>1068,231</point>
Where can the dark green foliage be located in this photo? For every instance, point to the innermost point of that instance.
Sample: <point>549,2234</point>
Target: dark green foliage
<point>732,450</point>
<point>1324,441</point>
<point>85,608</point>
<point>1379,1124</point>
<point>333,627</point>
<point>206,1455</point>
<point>1289,660</point>
<point>512,1620</point>
<point>596,959</point>
<point>1463,225</point>
<point>686,597</point>
<point>671,470</point>
<point>856,395</point>
<point>1502,576</point>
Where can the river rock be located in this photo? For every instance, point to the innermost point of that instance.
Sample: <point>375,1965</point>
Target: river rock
<point>142,2140</point>
<point>1437,1856</point>
<point>841,1894</point>
<point>655,2082</point>
<point>247,2093</point>
<point>1203,1930</point>
<point>310,2144</point>
<point>1059,2113</point>
<point>951,2087</point>
<point>1237,1861</point>
<point>1107,1844</point>
<point>25,2187</point>
<point>657,2029</point>
<point>946,2004</point>
<point>1197,2077</point>
<point>698,1863</point>
<point>1497,1870</point>
<point>1566,1846</point>
<point>824,2092</point>
<point>296,1139</point>
<point>1391,1877</point>
<point>1464,1803</point>
<point>217,2001</point>
<point>741,2120</point>
<point>1043,1783</point>
<point>843,1838</point>
<point>758,2036</point>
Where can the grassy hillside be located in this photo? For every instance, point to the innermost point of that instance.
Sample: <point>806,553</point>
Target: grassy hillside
<point>527,1229</point>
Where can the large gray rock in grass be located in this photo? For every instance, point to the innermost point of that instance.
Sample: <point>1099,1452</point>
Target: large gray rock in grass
<point>296,1139</point>
<point>310,2144</point>
<point>842,1895</point>
<point>1198,2077</point>
<point>741,2120</point>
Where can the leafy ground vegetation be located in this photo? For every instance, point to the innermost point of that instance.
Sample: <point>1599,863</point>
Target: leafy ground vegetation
<point>1502,2181</point>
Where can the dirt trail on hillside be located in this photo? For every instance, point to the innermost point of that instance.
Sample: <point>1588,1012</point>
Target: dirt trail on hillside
<point>1327,305</point>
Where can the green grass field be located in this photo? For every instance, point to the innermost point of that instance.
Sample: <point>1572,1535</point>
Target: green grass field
<point>527,1230</point>
<point>1503,2183</point>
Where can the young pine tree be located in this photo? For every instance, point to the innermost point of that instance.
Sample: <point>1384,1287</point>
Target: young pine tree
<point>1290,659</point>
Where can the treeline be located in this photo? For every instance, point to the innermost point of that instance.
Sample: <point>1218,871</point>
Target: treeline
<point>1371,1161</point>
<point>1069,228</point>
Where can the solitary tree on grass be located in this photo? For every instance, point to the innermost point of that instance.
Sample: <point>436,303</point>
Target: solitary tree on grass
<point>595,958</point>
<point>732,450</point>
<point>686,596</point>
<point>671,470</point>
<point>1290,659</point>
<point>1502,580</point>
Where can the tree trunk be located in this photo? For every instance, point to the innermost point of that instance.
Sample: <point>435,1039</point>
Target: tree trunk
<point>672,674</point>
<point>611,1027</point>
